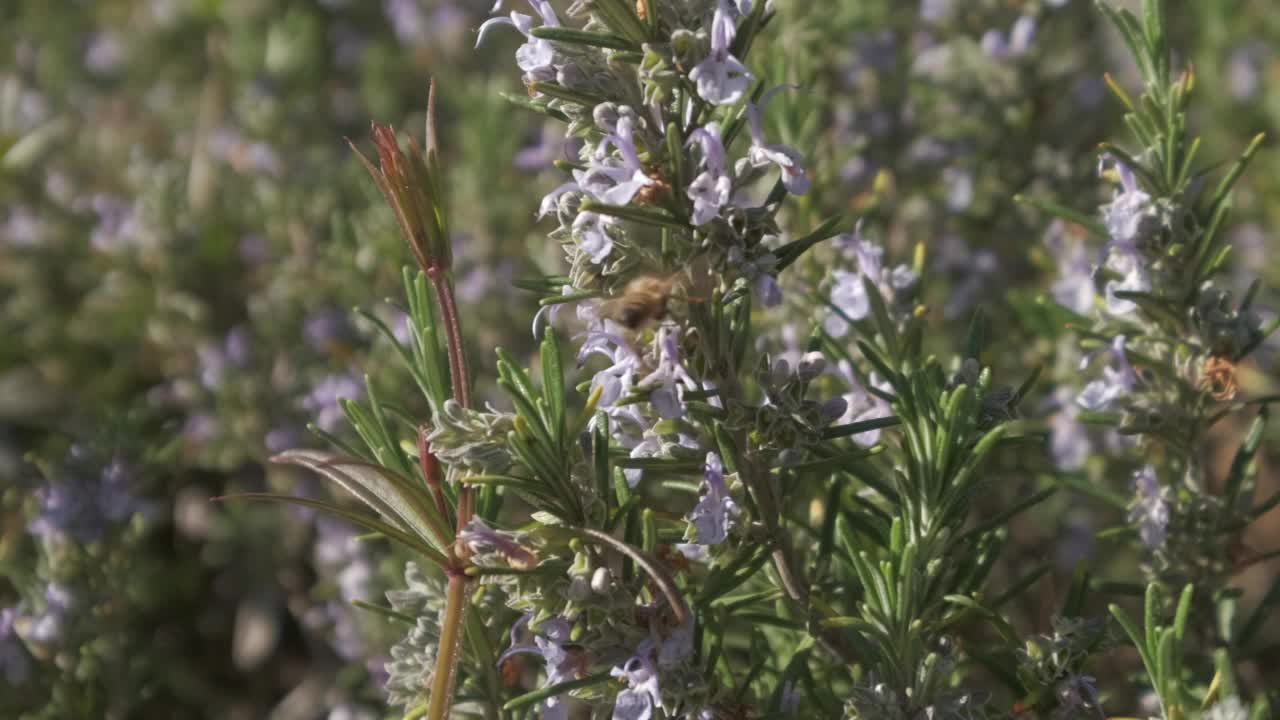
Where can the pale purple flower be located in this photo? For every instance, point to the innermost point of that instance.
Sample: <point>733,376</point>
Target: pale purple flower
<point>337,550</point>
<point>1078,694</point>
<point>650,445</point>
<point>1015,44</point>
<point>1245,69</point>
<point>81,502</point>
<point>480,538</point>
<point>119,223</point>
<point>49,627</point>
<point>849,294</point>
<point>959,187</point>
<point>616,383</point>
<point>323,400</point>
<point>669,377</point>
<point>105,55</point>
<point>714,515</point>
<point>610,179</point>
<point>407,20</point>
<point>643,693</point>
<point>536,57</point>
<point>549,641</point>
<point>326,328</point>
<point>721,78</point>
<point>712,188</point>
<point>935,11</point>
<point>862,405</point>
<point>1116,382</point>
<point>22,227</point>
<point>1069,443</point>
<point>1129,262</point>
<point>232,354</point>
<point>1073,289</point>
<point>549,146</point>
<point>592,231</point>
<point>787,158</point>
<point>551,201</point>
<point>1130,216</point>
<point>1150,510</point>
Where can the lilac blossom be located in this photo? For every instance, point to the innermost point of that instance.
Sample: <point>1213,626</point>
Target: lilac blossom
<point>711,189</point>
<point>49,627</point>
<point>119,223</point>
<point>862,405</point>
<point>1078,694</point>
<point>480,538</point>
<point>617,382</point>
<point>1245,71</point>
<point>323,400</point>
<point>1115,383</point>
<point>787,158</point>
<point>592,231</point>
<point>669,377</point>
<point>1015,44</point>
<point>721,78</point>
<point>216,360</point>
<point>1128,261</point>
<point>1069,443</point>
<point>1073,289</point>
<point>716,512</point>
<point>561,663</point>
<point>1130,214</point>
<point>81,502</point>
<point>611,179</point>
<point>326,328</point>
<point>849,294</point>
<point>643,693</point>
<point>407,20</point>
<point>1150,511</point>
<point>536,56</point>
<point>23,227</point>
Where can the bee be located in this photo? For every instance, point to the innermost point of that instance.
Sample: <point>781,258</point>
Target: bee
<point>646,299</point>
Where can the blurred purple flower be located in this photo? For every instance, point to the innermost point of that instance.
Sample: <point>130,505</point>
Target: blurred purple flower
<point>323,399</point>
<point>81,501</point>
<point>1150,510</point>
<point>550,641</point>
<point>1116,382</point>
<point>787,158</point>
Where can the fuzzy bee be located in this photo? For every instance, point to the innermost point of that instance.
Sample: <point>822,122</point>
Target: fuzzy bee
<point>646,299</point>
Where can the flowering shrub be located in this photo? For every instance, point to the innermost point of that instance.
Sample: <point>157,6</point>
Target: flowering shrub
<point>788,419</point>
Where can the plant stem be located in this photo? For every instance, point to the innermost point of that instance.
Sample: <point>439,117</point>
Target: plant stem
<point>455,608</point>
<point>446,672</point>
<point>453,329</point>
<point>431,473</point>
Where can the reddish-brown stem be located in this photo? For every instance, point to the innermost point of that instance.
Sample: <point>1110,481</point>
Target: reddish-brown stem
<point>431,472</point>
<point>455,609</point>
<point>453,332</point>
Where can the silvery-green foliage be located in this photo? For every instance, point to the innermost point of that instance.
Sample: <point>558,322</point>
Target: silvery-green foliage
<point>413,658</point>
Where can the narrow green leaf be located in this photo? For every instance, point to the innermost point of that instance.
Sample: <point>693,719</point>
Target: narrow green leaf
<point>541,694</point>
<point>573,36</point>
<point>368,522</point>
<point>642,215</point>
